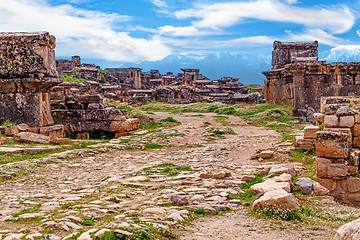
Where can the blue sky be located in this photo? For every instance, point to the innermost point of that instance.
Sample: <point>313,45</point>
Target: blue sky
<point>149,30</point>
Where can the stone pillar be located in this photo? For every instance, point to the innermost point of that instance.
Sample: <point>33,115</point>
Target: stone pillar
<point>138,79</point>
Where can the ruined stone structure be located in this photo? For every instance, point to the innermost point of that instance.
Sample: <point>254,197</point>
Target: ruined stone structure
<point>336,162</point>
<point>294,52</point>
<point>190,76</point>
<point>86,114</point>
<point>27,72</point>
<point>300,80</point>
<point>130,76</point>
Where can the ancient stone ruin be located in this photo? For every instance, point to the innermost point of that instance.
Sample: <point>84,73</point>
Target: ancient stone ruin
<point>136,87</point>
<point>86,114</point>
<point>337,163</point>
<point>27,72</point>
<point>299,79</point>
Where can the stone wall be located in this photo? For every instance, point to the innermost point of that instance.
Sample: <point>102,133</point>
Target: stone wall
<point>337,163</point>
<point>302,84</point>
<point>27,72</point>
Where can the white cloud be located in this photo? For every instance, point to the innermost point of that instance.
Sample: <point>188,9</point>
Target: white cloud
<point>159,3</point>
<point>346,48</point>
<point>314,34</point>
<point>337,19</point>
<point>180,31</point>
<point>90,33</point>
<point>291,1</point>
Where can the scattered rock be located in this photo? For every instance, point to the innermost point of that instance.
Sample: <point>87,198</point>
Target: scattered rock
<point>305,185</point>
<point>277,199</point>
<point>179,200</point>
<point>349,231</point>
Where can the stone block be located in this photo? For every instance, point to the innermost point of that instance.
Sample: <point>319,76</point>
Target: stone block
<point>330,184</point>
<point>357,118</point>
<point>344,111</point>
<point>320,189</point>
<point>331,121</point>
<point>356,142</point>
<point>319,117</point>
<point>337,170</point>
<point>35,54</point>
<point>83,135</point>
<point>341,130</point>
<point>11,130</point>
<point>31,138</point>
<point>266,154</point>
<point>347,121</point>
<point>61,141</point>
<point>348,231</point>
<point>56,131</point>
<point>357,129</point>
<point>310,132</point>
<point>332,144</point>
<point>270,185</point>
<point>352,184</point>
<point>302,143</point>
<point>278,199</point>
<point>321,167</point>
<point>23,127</point>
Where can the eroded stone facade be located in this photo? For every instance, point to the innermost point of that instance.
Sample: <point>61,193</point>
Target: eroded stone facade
<point>300,80</point>
<point>27,72</point>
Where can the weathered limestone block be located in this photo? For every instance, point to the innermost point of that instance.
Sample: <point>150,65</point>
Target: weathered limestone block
<point>352,184</point>
<point>334,108</point>
<point>332,144</point>
<point>271,185</point>
<point>331,121</point>
<point>344,111</point>
<point>341,130</point>
<point>305,185</point>
<point>25,54</point>
<point>348,231</point>
<point>357,118</point>
<point>31,138</point>
<point>11,130</point>
<point>304,143</point>
<point>83,135</point>
<point>330,184</point>
<point>320,117</point>
<point>321,167</point>
<point>310,132</point>
<point>106,126</point>
<point>56,131</point>
<point>107,114</point>
<point>337,170</point>
<point>277,199</point>
<point>357,129</point>
<point>356,142</point>
<point>347,121</point>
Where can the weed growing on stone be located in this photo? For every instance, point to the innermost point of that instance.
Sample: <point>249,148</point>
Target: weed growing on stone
<point>33,209</point>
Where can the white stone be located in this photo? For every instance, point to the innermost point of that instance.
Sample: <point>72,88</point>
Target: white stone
<point>271,185</point>
<point>349,231</point>
<point>277,199</point>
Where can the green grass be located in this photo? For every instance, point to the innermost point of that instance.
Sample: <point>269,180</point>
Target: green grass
<point>169,120</point>
<point>33,209</point>
<point>169,169</point>
<point>7,123</point>
<point>153,146</point>
<point>87,222</point>
<point>275,117</point>
<point>103,71</point>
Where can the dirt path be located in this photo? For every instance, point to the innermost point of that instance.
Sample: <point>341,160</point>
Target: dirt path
<point>106,186</point>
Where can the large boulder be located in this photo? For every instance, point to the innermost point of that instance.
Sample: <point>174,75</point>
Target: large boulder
<point>349,231</point>
<point>277,199</point>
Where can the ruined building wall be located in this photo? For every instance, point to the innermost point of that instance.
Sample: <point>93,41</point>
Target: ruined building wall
<point>27,72</point>
<point>303,84</point>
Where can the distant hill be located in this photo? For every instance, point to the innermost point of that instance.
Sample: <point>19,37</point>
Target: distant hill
<point>248,68</point>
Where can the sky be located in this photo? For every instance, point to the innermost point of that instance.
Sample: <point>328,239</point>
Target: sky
<point>149,30</point>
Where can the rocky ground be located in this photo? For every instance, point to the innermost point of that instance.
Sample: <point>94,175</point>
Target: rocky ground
<point>185,181</point>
